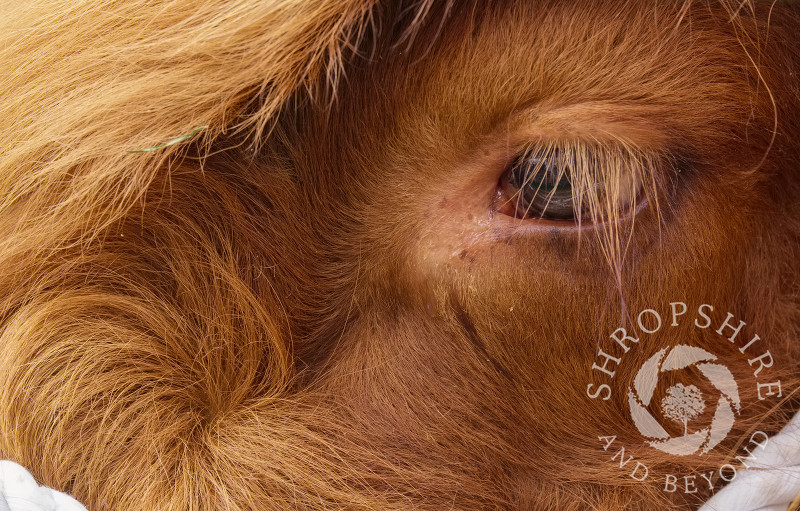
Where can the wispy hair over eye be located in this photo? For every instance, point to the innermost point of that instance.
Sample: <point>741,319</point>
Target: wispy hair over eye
<point>599,183</point>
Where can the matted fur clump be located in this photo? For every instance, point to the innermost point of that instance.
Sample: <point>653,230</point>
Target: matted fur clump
<point>269,255</point>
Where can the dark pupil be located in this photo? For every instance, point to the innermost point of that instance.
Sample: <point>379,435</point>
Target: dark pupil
<point>541,193</point>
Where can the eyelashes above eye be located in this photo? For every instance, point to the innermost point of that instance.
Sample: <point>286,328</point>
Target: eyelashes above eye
<point>568,183</point>
<point>541,187</point>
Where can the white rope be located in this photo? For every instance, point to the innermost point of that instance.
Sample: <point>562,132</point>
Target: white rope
<point>19,492</point>
<point>771,482</point>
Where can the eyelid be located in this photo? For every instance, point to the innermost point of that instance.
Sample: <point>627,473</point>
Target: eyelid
<point>618,169</point>
<point>597,122</point>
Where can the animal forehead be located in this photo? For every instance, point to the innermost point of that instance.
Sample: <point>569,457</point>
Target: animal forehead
<point>633,63</point>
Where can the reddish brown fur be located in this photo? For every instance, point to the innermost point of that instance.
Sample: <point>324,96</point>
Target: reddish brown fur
<point>298,310</point>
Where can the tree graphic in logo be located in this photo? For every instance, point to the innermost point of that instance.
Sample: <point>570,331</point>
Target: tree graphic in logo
<point>683,403</point>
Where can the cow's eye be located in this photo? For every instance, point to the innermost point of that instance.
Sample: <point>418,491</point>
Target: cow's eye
<point>573,183</point>
<point>540,186</point>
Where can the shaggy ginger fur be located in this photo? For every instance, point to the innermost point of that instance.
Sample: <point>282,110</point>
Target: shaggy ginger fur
<point>319,301</point>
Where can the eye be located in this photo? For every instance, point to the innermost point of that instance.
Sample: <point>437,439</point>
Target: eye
<point>566,184</point>
<point>540,186</point>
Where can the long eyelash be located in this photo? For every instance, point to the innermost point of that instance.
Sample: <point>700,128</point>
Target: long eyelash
<point>539,154</point>
<point>599,174</point>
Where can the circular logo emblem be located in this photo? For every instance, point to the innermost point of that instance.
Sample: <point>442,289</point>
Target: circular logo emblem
<point>683,403</point>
